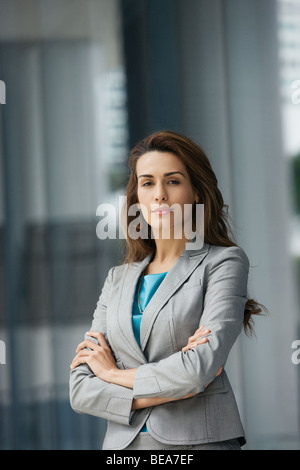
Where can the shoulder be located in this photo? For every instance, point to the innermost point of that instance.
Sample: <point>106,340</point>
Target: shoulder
<point>116,271</point>
<point>215,253</point>
<point>227,257</point>
<point>221,252</point>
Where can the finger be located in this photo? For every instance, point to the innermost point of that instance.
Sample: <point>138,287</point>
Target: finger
<point>199,329</point>
<point>79,359</point>
<point>87,343</point>
<point>98,336</point>
<point>198,337</point>
<point>202,341</point>
<point>102,340</point>
<point>194,344</point>
<point>204,332</point>
<point>84,344</point>
<point>199,333</point>
<point>83,353</point>
<point>94,334</point>
<point>197,342</point>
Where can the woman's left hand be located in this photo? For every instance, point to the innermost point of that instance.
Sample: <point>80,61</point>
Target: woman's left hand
<point>98,357</point>
<point>199,337</point>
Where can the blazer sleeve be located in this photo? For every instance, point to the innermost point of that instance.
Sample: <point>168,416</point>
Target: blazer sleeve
<point>223,312</point>
<point>88,393</point>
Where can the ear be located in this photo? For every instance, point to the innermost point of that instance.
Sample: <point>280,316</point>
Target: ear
<point>197,198</point>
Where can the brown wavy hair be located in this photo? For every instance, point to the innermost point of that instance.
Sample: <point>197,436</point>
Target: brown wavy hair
<point>217,230</point>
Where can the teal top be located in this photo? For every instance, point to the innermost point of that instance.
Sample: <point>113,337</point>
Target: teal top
<point>145,289</point>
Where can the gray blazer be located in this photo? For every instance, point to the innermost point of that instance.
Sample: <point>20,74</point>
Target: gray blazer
<point>206,286</point>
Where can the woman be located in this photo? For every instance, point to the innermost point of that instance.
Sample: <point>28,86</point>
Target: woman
<point>153,362</point>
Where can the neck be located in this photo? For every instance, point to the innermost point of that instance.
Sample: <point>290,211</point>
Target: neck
<point>168,250</point>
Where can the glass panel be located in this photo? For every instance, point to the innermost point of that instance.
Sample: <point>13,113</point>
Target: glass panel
<point>289,54</point>
<point>63,152</point>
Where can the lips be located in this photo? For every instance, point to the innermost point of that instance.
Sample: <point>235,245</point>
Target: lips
<point>162,210</point>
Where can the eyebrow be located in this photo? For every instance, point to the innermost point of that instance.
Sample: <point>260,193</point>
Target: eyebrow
<point>165,174</point>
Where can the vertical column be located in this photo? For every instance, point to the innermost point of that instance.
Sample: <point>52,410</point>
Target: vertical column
<point>150,47</point>
<point>203,84</point>
<point>13,215</point>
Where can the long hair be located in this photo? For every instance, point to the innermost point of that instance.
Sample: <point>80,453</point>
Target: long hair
<point>217,229</point>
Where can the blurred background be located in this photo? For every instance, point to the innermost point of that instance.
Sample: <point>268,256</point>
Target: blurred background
<point>84,81</point>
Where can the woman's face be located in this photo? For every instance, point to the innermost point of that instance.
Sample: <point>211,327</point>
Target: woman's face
<point>164,187</point>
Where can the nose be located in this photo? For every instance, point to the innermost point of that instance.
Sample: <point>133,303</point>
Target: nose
<point>160,194</point>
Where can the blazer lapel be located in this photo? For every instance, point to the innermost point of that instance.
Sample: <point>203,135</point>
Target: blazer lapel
<point>124,309</point>
<point>182,269</point>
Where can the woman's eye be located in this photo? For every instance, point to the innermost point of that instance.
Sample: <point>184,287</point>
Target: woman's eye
<point>149,183</point>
